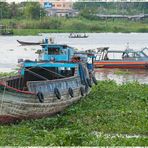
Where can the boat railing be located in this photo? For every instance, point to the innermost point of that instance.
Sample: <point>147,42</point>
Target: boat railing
<point>49,85</point>
<point>7,78</point>
<point>13,81</point>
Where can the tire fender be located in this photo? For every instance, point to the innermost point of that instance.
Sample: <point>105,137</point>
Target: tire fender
<point>70,91</point>
<point>40,96</point>
<point>94,80</point>
<point>57,93</point>
<point>89,82</point>
<point>82,91</point>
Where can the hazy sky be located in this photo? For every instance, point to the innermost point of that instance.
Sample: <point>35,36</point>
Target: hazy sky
<point>17,1</point>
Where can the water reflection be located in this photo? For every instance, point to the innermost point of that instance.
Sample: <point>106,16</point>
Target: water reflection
<point>123,75</point>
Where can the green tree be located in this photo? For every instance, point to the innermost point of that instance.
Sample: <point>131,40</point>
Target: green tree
<point>4,10</point>
<point>16,10</point>
<point>33,10</point>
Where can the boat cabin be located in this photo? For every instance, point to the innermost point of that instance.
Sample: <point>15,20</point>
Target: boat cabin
<point>55,62</point>
<point>103,54</point>
<point>55,52</point>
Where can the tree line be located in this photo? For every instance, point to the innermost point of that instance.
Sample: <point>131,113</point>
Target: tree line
<point>33,10</point>
<point>89,9</point>
<point>24,10</point>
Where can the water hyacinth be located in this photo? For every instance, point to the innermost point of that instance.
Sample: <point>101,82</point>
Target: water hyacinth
<point>111,115</point>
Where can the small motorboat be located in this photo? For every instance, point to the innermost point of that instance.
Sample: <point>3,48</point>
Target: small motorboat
<point>46,86</point>
<point>129,58</point>
<point>29,43</point>
<point>73,35</point>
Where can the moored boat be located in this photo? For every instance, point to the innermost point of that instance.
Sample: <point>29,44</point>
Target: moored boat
<point>29,43</point>
<point>46,86</point>
<point>4,30</point>
<point>129,59</point>
<point>74,35</point>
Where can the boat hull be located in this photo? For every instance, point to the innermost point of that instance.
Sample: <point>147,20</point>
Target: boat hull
<point>121,64</point>
<point>20,105</point>
<point>15,111</point>
<point>78,36</point>
<point>28,43</point>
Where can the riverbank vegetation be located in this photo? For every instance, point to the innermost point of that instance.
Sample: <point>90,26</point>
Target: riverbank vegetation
<point>61,25</point>
<point>5,74</point>
<point>125,8</point>
<point>111,115</point>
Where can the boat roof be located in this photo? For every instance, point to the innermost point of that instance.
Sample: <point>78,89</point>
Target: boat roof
<point>126,51</point>
<point>103,48</point>
<point>49,44</point>
<point>56,45</point>
<point>48,64</point>
<point>115,51</point>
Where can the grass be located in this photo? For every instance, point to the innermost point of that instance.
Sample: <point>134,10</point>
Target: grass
<point>4,74</point>
<point>61,25</point>
<point>100,119</point>
<point>122,72</point>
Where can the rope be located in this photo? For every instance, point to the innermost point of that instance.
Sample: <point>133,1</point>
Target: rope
<point>2,100</point>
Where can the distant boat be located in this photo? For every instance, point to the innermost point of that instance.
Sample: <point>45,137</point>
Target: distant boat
<point>129,58</point>
<point>73,35</point>
<point>4,30</point>
<point>29,43</point>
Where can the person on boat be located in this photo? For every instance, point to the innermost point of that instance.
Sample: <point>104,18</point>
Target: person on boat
<point>125,55</point>
<point>51,40</point>
<point>106,57</point>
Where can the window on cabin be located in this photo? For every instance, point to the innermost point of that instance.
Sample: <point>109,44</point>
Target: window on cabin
<point>145,51</point>
<point>115,56</point>
<point>53,51</point>
<point>141,54</point>
<point>66,72</point>
<point>131,55</point>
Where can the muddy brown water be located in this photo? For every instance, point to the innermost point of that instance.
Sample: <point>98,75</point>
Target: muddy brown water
<point>11,51</point>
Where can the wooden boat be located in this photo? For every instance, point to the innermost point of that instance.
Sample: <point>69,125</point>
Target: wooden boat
<point>4,30</point>
<point>28,43</point>
<point>47,86</point>
<point>129,59</point>
<point>72,35</point>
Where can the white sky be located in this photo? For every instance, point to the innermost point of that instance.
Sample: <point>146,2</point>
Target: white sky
<point>17,1</point>
<point>9,1</point>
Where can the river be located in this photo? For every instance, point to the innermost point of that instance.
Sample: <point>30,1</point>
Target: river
<point>11,51</point>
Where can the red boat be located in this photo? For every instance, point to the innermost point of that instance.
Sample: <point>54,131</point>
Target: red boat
<point>129,58</point>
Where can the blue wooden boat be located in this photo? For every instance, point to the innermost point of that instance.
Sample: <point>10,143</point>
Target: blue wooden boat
<point>60,77</point>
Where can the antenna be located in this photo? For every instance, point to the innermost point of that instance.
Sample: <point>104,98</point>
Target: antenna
<point>127,45</point>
